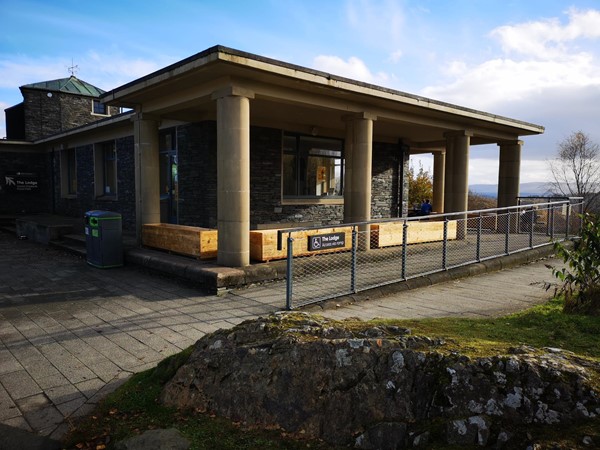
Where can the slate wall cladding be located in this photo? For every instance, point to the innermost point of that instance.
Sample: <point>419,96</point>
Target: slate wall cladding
<point>197,145</point>
<point>385,178</point>
<point>265,186</point>
<point>37,201</point>
<point>197,169</point>
<point>86,200</point>
<point>45,115</point>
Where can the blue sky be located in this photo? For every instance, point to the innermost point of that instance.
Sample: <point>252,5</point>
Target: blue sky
<point>534,60</point>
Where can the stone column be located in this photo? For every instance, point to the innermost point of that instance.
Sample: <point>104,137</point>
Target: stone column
<point>147,173</point>
<point>439,170</point>
<point>460,178</point>
<point>509,173</point>
<point>448,176</point>
<point>457,200</point>
<point>348,170</point>
<point>233,176</point>
<point>359,134</point>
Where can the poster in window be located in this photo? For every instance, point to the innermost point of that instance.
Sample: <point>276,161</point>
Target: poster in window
<point>321,172</point>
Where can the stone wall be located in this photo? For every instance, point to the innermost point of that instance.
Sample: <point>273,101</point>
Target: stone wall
<point>197,147</point>
<point>386,187</point>
<point>45,115</point>
<point>197,169</point>
<point>85,200</point>
<point>197,157</point>
<point>371,386</point>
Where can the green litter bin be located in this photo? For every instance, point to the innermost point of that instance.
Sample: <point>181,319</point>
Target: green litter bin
<point>103,239</point>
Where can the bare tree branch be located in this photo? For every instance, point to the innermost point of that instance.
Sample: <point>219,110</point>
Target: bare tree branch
<point>576,168</point>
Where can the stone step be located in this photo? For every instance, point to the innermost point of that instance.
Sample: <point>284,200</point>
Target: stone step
<point>72,243</point>
<point>75,239</point>
<point>71,248</point>
<point>9,228</point>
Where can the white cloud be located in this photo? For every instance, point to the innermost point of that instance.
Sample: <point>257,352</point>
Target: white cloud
<point>104,70</point>
<point>485,170</point>
<point>353,68</point>
<point>377,22</point>
<point>395,56</point>
<point>500,80</point>
<point>548,38</point>
<point>549,75</point>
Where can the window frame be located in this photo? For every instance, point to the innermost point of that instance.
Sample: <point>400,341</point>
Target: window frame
<point>102,172</point>
<point>95,103</point>
<point>68,173</point>
<point>312,199</point>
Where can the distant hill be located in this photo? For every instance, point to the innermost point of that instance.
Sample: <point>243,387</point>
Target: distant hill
<point>527,189</point>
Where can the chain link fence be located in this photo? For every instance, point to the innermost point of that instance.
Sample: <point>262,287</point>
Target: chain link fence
<point>325,262</point>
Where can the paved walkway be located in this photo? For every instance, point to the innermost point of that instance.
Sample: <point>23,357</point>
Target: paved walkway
<point>70,333</point>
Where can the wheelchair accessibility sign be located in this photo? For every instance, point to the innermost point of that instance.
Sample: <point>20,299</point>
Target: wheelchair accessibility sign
<point>326,241</point>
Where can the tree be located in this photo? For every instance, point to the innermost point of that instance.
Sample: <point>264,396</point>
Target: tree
<point>477,201</point>
<point>581,276</point>
<point>420,185</point>
<point>576,169</point>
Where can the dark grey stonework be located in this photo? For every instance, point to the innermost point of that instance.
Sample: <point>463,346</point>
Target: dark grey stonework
<point>123,203</point>
<point>45,115</point>
<point>197,148</point>
<point>406,162</point>
<point>386,173</point>
<point>14,160</point>
<point>197,168</point>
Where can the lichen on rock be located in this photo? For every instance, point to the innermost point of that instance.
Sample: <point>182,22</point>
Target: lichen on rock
<point>363,385</point>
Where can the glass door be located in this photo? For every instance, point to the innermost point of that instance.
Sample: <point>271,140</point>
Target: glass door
<point>169,187</point>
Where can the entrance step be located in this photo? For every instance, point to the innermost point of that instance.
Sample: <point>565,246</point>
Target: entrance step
<point>7,223</point>
<point>72,243</point>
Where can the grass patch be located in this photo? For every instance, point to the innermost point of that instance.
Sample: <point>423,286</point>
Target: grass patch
<point>134,408</point>
<point>541,326</point>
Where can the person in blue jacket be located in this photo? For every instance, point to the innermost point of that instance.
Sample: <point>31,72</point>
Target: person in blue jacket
<point>426,208</point>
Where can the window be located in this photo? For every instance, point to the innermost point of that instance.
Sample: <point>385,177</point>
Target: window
<point>312,167</point>
<point>105,158</point>
<point>68,172</point>
<point>99,108</point>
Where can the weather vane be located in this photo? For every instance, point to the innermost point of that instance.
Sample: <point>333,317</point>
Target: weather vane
<point>73,69</point>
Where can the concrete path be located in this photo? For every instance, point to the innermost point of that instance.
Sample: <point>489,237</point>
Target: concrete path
<point>70,333</point>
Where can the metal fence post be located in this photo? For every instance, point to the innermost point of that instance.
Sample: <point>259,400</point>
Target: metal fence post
<point>353,268</point>
<point>567,227</point>
<point>531,225</point>
<point>552,223</point>
<point>290,272</point>
<point>478,249</point>
<point>507,234</point>
<point>445,245</point>
<point>404,244</point>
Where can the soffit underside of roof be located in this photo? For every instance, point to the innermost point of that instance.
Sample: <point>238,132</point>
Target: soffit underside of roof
<point>186,95</point>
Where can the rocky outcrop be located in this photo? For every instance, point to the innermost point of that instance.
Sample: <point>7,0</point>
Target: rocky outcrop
<point>376,387</point>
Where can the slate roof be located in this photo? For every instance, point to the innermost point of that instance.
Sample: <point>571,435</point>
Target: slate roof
<point>71,85</point>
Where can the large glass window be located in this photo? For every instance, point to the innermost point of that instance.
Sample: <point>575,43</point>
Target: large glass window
<point>312,167</point>
<point>169,179</point>
<point>106,169</point>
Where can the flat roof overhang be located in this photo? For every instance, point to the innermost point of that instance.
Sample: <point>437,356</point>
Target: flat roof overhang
<point>291,96</point>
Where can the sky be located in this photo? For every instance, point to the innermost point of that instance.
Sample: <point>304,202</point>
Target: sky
<point>533,60</point>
